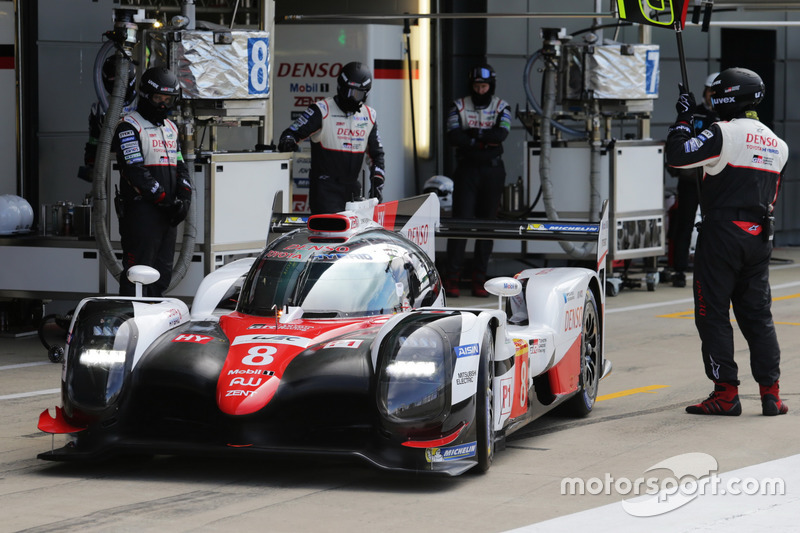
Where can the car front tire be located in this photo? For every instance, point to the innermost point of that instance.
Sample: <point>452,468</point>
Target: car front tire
<point>484,406</point>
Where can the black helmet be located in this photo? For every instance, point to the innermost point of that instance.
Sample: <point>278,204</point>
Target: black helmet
<point>158,81</point>
<point>353,84</point>
<point>482,74</point>
<point>736,90</point>
<point>109,75</point>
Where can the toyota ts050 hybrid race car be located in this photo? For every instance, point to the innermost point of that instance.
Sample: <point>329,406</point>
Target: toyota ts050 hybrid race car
<point>335,340</point>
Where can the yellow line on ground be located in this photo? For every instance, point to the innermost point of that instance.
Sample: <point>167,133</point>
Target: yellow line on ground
<point>650,389</point>
<point>681,314</point>
<point>690,314</point>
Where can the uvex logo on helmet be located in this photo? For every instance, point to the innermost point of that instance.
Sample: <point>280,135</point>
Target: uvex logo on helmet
<point>356,84</point>
<point>157,87</point>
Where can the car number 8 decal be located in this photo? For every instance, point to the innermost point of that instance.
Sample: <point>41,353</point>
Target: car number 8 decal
<point>258,65</point>
<point>259,355</point>
<point>523,384</point>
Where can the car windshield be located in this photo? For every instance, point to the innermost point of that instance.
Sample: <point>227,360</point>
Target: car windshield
<point>365,276</point>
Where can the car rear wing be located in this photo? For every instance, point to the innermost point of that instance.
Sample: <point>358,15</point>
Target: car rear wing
<point>535,230</point>
<point>417,218</point>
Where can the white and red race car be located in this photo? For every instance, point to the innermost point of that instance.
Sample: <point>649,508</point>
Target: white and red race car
<point>336,340</point>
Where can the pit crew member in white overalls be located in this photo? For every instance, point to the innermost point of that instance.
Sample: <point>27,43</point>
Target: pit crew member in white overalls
<point>342,129</point>
<point>477,125</point>
<point>155,186</point>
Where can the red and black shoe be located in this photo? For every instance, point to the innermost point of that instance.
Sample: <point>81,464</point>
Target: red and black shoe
<point>451,287</point>
<point>771,403</point>
<point>478,289</point>
<point>724,401</point>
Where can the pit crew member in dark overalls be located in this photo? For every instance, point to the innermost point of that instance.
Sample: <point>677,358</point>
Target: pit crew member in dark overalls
<point>155,187</point>
<point>342,130</point>
<point>743,162</point>
<point>477,125</point>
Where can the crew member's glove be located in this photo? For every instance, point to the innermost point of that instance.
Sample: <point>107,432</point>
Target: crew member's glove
<point>180,208</point>
<point>685,105</point>
<point>476,138</point>
<point>159,198</point>
<point>376,187</point>
<point>288,144</point>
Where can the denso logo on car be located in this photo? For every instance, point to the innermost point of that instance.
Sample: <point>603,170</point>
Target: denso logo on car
<point>467,350</point>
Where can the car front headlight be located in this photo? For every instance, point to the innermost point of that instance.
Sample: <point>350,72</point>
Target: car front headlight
<point>103,358</point>
<point>416,372</point>
<point>97,360</point>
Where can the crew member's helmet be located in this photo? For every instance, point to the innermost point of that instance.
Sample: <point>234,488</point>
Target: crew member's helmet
<point>158,81</point>
<point>736,90</point>
<point>442,186</point>
<point>353,85</point>
<point>482,74</point>
<point>710,79</point>
<point>109,75</point>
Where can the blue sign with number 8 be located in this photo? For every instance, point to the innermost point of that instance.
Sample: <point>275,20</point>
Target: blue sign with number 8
<point>258,65</point>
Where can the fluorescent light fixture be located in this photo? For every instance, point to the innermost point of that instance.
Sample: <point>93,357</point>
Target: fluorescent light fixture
<point>421,42</point>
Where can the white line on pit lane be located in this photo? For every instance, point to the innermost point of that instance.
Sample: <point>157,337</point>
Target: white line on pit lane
<point>684,300</point>
<point>24,365</point>
<point>29,394</point>
<point>649,306</point>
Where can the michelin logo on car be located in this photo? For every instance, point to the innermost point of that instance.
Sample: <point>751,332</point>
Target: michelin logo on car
<point>451,453</point>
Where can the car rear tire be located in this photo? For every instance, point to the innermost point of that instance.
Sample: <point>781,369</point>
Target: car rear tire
<point>591,360</point>
<point>484,406</point>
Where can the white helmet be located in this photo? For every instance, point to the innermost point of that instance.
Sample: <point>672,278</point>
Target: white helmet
<point>710,79</point>
<point>443,187</point>
<point>9,215</point>
<point>26,214</point>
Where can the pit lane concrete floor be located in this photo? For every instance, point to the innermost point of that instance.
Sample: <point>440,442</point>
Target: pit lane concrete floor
<point>638,423</point>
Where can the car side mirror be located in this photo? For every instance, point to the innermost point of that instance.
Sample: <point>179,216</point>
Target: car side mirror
<point>141,275</point>
<point>503,287</point>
